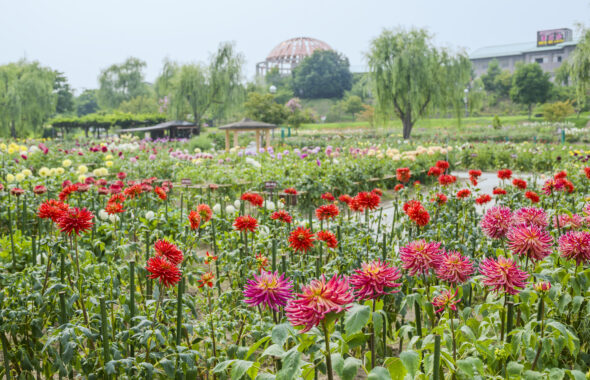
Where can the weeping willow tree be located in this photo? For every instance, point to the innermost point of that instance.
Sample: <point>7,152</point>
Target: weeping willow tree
<point>201,90</point>
<point>411,77</point>
<point>27,98</point>
<point>579,69</point>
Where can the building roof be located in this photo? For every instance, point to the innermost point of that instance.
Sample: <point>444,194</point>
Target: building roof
<point>516,49</point>
<point>248,124</point>
<point>166,125</point>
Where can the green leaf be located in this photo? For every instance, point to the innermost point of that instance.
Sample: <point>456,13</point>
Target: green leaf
<point>576,375</point>
<point>356,318</point>
<point>291,363</point>
<point>239,368</point>
<point>379,373</point>
<point>280,333</point>
<point>255,346</point>
<point>532,375</point>
<point>168,366</point>
<point>556,374</point>
<point>465,366</point>
<point>350,368</point>
<point>265,376</point>
<point>396,368</point>
<point>411,361</point>
<point>110,368</point>
<point>337,364</point>
<point>514,368</point>
<point>273,350</point>
<point>220,367</point>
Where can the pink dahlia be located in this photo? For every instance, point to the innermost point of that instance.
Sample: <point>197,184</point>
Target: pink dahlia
<point>420,256</point>
<point>575,245</point>
<point>503,274</point>
<point>568,222</point>
<point>447,299</point>
<point>454,267</point>
<point>530,216</point>
<point>319,299</point>
<point>530,241</point>
<point>496,222</point>
<point>269,290</point>
<point>373,279</point>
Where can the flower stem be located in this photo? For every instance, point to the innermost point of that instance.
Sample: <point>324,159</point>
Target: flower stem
<point>328,355</point>
<point>453,336</point>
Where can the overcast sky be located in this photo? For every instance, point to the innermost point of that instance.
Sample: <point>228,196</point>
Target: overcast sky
<point>81,37</point>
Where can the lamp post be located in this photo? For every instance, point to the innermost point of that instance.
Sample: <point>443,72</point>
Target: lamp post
<point>272,89</point>
<point>466,91</point>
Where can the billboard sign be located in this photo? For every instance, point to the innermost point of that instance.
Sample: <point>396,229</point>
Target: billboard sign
<point>552,37</point>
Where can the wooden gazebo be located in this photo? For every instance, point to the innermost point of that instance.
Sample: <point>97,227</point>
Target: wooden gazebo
<point>247,125</point>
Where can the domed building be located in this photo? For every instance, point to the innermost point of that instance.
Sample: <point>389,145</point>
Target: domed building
<point>288,54</point>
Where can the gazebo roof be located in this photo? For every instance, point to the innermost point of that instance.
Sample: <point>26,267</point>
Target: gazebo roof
<point>166,125</point>
<point>246,123</point>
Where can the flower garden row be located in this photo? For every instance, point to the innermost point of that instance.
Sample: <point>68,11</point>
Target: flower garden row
<point>134,277</point>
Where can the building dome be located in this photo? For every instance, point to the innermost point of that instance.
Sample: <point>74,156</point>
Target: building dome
<point>296,49</point>
<point>288,54</point>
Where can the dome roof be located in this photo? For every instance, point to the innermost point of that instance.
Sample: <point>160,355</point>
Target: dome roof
<point>296,49</point>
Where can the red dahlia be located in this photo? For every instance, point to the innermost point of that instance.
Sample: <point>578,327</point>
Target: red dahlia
<point>282,215</point>
<point>194,219</point>
<point>443,165</point>
<point>505,174</point>
<point>75,220</point>
<point>345,198</point>
<point>446,179</point>
<point>435,171</point>
<point>301,239</point>
<point>520,183</point>
<point>328,238</point>
<point>463,193</point>
<point>403,174</point>
<point>246,223</point>
<point>532,196</point>
<point>475,173</point>
<point>440,199</point>
<point>329,211</point>
<point>161,193</point>
<point>483,199</point>
<point>164,271</point>
<point>52,209</point>
<point>328,197</point>
<point>169,251</point>
<point>254,199</point>
<point>205,212</point>
<point>368,200</point>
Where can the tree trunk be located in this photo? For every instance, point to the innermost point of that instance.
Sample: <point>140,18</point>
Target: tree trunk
<point>530,110</point>
<point>407,130</point>
<point>13,129</point>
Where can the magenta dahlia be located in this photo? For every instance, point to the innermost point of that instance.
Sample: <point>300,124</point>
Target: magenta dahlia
<point>575,245</point>
<point>530,216</point>
<point>496,222</point>
<point>269,290</point>
<point>319,299</point>
<point>568,222</point>
<point>447,299</point>
<point>454,267</point>
<point>530,241</point>
<point>374,279</point>
<point>503,274</point>
<point>420,256</point>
